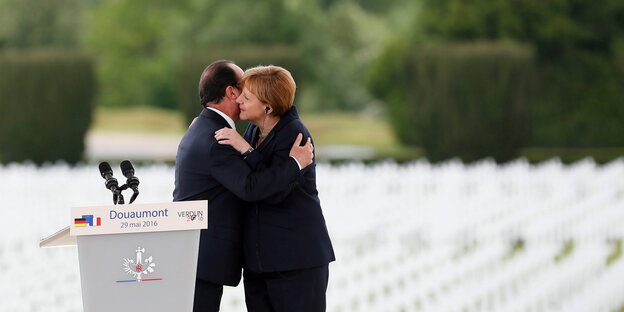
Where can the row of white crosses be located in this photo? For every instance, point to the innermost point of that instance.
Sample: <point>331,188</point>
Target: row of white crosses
<point>467,232</point>
<point>414,237</point>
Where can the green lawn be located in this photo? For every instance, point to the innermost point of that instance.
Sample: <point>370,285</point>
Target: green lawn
<point>138,119</point>
<point>337,128</point>
<point>330,128</point>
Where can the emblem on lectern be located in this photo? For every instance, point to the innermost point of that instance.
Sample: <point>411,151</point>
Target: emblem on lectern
<point>139,267</point>
<point>88,220</point>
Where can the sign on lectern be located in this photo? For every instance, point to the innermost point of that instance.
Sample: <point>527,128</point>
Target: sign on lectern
<point>139,257</point>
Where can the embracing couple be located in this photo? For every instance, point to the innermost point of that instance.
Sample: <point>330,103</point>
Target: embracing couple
<point>264,214</point>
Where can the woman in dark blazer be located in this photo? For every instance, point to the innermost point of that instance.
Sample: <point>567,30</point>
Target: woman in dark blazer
<point>286,243</point>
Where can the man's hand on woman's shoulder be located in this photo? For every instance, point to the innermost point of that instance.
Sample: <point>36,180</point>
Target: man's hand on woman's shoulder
<point>303,154</point>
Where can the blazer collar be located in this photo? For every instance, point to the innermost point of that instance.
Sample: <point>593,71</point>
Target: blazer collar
<point>284,120</point>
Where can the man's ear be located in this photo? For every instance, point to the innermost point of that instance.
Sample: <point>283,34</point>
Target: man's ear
<point>231,92</point>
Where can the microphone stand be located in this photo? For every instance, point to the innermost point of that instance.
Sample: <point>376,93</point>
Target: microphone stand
<point>121,198</point>
<point>118,198</point>
<point>115,196</point>
<point>134,195</point>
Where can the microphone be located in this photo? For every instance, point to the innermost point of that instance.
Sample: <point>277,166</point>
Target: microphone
<point>131,181</point>
<point>111,183</point>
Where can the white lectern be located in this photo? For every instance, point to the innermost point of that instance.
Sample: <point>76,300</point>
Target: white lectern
<point>139,257</point>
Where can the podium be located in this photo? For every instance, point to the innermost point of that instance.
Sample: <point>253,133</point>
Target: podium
<point>138,257</point>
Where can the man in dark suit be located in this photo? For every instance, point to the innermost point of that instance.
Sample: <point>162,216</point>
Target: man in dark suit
<point>218,173</point>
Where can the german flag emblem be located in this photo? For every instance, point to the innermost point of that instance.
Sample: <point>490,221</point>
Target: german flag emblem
<point>80,222</point>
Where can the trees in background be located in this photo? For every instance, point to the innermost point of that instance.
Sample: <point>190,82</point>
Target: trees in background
<point>47,85</point>
<point>140,45</point>
<point>35,24</point>
<point>579,52</point>
<point>151,52</point>
<point>578,77</point>
<point>465,100</point>
<point>46,105</point>
<point>132,42</point>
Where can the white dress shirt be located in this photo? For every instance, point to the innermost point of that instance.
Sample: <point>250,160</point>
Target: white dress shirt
<point>226,117</point>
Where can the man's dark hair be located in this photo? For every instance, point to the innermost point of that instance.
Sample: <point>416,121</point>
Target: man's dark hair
<point>214,80</point>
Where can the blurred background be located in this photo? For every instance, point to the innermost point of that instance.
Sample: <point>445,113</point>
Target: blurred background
<point>470,151</point>
<point>376,79</point>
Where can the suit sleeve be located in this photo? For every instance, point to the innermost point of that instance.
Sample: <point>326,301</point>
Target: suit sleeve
<point>231,170</point>
<point>253,159</point>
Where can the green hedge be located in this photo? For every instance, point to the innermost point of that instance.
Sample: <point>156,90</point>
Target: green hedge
<point>458,100</point>
<point>579,51</point>
<point>46,105</point>
<point>189,68</point>
<point>581,103</point>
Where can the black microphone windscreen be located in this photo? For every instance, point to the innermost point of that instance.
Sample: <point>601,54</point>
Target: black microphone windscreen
<point>126,168</point>
<point>105,168</point>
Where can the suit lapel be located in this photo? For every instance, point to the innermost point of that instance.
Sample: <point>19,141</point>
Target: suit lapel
<point>251,134</point>
<point>286,119</point>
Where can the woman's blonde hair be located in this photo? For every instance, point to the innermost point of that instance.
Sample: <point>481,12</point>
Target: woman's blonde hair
<point>272,85</point>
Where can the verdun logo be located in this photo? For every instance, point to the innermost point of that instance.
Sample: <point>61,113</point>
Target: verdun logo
<point>190,215</point>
